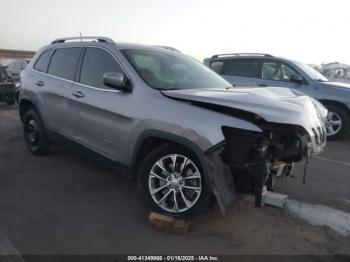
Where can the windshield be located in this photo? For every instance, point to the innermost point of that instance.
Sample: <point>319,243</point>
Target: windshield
<point>172,70</point>
<point>312,73</point>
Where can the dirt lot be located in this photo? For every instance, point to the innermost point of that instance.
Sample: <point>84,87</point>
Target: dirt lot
<point>64,203</point>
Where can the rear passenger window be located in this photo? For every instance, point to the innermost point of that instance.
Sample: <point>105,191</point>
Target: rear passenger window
<point>43,62</point>
<point>64,62</point>
<point>242,67</point>
<point>96,62</point>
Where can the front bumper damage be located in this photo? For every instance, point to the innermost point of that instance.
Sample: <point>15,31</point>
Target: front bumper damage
<point>247,162</point>
<point>221,180</point>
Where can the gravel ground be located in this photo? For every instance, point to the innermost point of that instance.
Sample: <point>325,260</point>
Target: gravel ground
<point>64,203</point>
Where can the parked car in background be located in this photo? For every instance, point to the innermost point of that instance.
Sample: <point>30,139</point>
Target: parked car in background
<point>166,119</point>
<point>3,74</point>
<point>7,89</point>
<point>8,93</point>
<point>336,72</point>
<point>269,71</point>
<point>15,68</point>
<point>13,72</point>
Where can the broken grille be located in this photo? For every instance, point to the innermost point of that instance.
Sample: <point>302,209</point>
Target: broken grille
<point>319,135</point>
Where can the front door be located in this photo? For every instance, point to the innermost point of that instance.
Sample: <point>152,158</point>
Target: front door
<point>99,114</point>
<point>278,74</point>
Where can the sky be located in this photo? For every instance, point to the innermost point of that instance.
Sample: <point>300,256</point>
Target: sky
<point>311,31</point>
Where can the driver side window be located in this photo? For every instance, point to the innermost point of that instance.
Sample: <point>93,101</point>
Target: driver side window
<point>277,71</point>
<point>96,62</point>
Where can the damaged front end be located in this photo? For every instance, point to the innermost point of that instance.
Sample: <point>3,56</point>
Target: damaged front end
<point>248,162</point>
<point>290,126</point>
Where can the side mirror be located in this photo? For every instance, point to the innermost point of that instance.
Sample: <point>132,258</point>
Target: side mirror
<point>116,80</point>
<point>297,79</point>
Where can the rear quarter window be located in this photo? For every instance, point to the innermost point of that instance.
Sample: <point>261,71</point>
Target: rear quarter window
<point>43,61</point>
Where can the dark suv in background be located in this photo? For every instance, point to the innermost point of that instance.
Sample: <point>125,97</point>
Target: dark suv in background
<point>265,70</point>
<point>7,87</point>
<point>3,74</point>
<point>15,68</point>
<point>10,80</point>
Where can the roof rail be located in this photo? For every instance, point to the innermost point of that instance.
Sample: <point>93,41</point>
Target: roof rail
<point>168,48</point>
<point>241,54</point>
<point>101,39</point>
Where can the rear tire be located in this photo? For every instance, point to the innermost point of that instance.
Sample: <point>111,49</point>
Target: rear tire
<point>34,134</point>
<point>337,123</point>
<point>186,197</point>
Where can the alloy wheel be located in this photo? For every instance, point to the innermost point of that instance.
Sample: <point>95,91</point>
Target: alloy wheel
<point>175,183</point>
<point>333,123</point>
<point>32,132</point>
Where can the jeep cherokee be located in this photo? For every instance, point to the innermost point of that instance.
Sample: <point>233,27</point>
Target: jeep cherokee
<point>164,118</point>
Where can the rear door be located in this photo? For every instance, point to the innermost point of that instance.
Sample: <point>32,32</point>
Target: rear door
<point>56,72</point>
<point>98,113</point>
<point>279,74</point>
<point>239,72</point>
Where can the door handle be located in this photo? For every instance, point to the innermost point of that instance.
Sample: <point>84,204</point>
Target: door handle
<point>78,94</point>
<point>263,85</point>
<point>40,83</point>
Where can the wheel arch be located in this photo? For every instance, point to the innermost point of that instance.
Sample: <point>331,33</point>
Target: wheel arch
<point>151,139</point>
<point>24,106</point>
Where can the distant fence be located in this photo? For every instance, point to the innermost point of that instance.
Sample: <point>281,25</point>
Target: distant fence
<point>7,55</point>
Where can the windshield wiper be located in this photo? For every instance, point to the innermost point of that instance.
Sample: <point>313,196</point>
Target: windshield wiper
<point>320,80</point>
<point>228,87</point>
<point>170,88</point>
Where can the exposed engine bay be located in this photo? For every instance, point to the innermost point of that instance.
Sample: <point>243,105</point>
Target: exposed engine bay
<point>256,160</point>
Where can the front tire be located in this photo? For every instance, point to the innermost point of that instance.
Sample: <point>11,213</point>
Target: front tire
<point>34,134</point>
<point>337,123</point>
<point>171,181</point>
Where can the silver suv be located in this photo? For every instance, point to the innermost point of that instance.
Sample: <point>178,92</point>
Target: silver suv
<point>266,70</point>
<point>164,118</point>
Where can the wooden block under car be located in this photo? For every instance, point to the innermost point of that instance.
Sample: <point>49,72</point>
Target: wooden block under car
<point>168,223</point>
<point>161,222</point>
<point>181,226</point>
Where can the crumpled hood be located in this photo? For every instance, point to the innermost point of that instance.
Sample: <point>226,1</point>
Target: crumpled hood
<point>274,104</point>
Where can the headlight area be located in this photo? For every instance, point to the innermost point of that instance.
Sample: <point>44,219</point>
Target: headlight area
<point>320,109</point>
<point>257,160</point>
